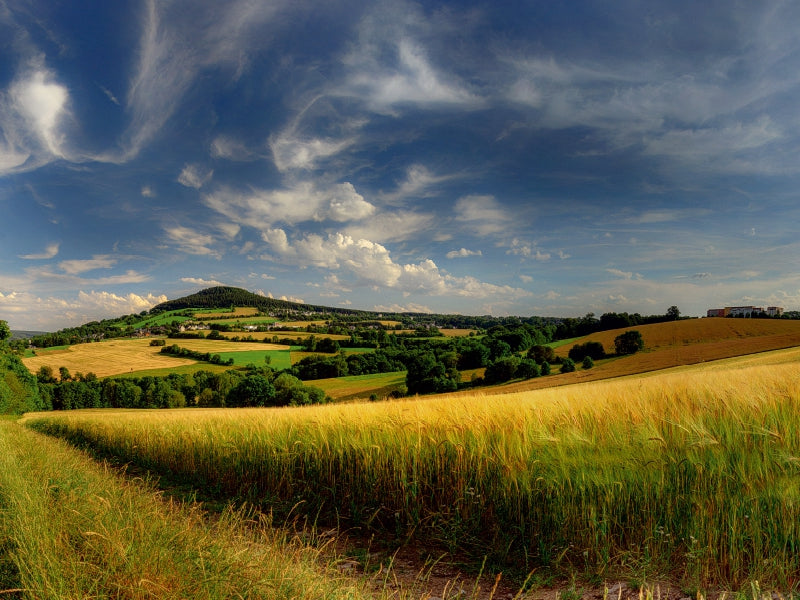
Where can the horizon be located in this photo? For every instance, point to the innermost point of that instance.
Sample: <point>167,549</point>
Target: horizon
<point>448,157</point>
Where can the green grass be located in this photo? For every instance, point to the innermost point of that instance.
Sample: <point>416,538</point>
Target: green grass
<point>361,386</point>
<point>161,319</point>
<point>44,351</point>
<point>279,359</point>
<point>243,320</point>
<point>559,343</point>
<point>71,528</point>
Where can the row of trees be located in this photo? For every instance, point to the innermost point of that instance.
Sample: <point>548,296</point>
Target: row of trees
<point>255,386</point>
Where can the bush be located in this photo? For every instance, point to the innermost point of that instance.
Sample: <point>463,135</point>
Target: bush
<point>567,365</point>
<point>629,342</point>
<point>591,349</point>
<point>588,363</point>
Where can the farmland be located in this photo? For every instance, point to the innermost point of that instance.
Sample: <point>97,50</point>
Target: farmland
<point>120,356</point>
<point>688,476</point>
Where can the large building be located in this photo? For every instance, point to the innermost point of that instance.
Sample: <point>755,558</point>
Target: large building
<point>744,311</point>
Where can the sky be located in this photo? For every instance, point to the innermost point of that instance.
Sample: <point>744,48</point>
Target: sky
<point>505,158</point>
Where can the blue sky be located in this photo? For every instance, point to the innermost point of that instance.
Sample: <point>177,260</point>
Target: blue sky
<point>528,158</point>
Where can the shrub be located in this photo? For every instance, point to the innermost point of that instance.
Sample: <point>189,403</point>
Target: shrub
<point>567,365</point>
<point>587,363</point>
<point>629,342</point>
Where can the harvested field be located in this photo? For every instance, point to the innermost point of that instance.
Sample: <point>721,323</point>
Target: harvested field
<point>296,335</point>
<point>456,332</point>
<point>239,311</point>
<point>107,358</point>
<point>675,344</point>
<point>115,357</point>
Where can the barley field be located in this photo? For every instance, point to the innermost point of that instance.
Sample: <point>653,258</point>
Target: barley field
<point>693,475</point>
<point>72,528</point>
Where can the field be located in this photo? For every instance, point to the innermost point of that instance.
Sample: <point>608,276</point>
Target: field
<point>690,476</point>
<point>279,359</point>
<point>220,313</point>
<point>672,344</point>
<point>361,386</point>
<point>268,335</point>
<point>73,528</point>
<point>121,356</point>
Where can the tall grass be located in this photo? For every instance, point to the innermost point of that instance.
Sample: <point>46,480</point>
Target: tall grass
<point>70,529</point>
<point>693,475</point>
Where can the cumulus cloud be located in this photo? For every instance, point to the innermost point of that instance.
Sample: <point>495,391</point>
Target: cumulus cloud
<point>49,252</point>
<point>194,177</point>
<point>201,282</point>
<point>372,264</point>
<point>147,192</point>
<point>520,248</point>
<point>526,278</point>
<point>54,312</point>
<point>304,201</point>
<point>463,253</point>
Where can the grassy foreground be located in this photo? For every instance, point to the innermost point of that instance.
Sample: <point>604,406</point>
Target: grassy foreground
<point>693,475</point>
<point>71,529</point>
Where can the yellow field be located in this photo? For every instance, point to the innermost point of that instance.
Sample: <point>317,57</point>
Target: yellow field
<point>239,311</point>
<point>115,357</point>
<point>106,358</point>
<point>456,332</point>
<point>676,343</point>
<point>296,335</point>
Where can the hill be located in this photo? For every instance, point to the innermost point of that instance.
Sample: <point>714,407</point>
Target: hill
<point>674,344</point>
<point>226,296</point>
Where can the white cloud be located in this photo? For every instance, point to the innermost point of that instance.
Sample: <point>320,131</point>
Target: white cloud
<point>520,248</point>
<point>372,264</point>
<point>412,79</point>
<point>201,282</point>
<point>192,176</point>
<point>526,278</point>
<point>191,241</point>
<point>49,252</point>
<point>49,313</point>
<point>463,253</point>
<point>290,152</point>
<point>147,192</point>
<point>394,226</point>
<point>302,202</point>
<point>625,274</point>
<point>76,267</point>
<point>231,149</point>
<point>33,114</point>
<point>482,214</point>
<point>411,307</point>
<point>418,183</point>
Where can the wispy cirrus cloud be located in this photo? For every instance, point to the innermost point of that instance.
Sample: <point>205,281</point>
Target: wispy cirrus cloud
<point>49,252</point>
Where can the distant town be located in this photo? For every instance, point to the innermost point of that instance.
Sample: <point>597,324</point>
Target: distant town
<point>745,311</point>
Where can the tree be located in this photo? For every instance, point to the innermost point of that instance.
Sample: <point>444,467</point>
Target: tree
<point>587,363</point>
<point>5,331</point>
<point>673,313</point>
<point>629,342</point>
<point>568,366</point>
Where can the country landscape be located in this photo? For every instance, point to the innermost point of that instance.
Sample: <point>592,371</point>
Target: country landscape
<point>665,470</point>
<point>399,300</point>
